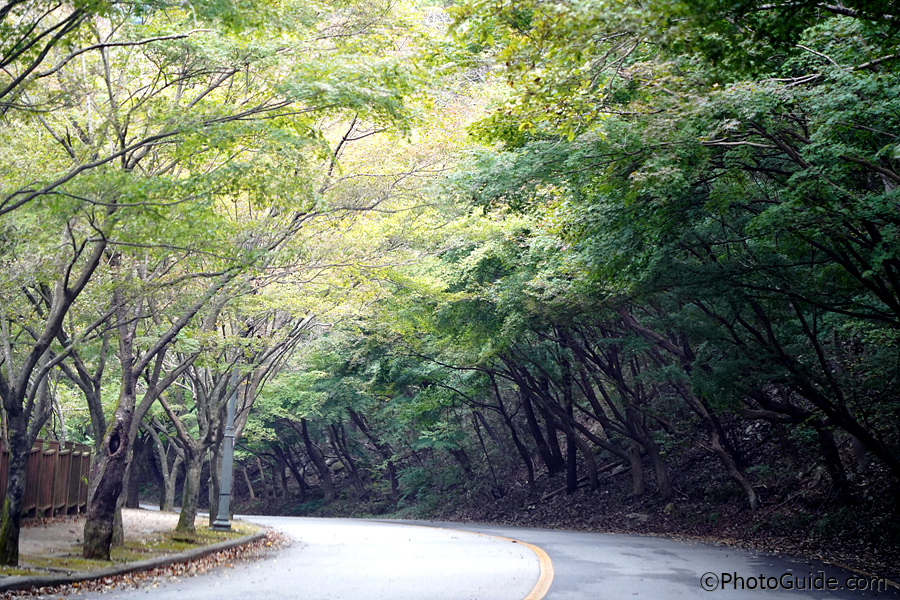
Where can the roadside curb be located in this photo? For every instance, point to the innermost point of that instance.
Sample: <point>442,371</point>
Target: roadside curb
<point>24,582</point>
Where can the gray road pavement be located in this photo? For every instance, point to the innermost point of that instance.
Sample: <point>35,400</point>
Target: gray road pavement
<point>344,559</point>
<point>598,566</point>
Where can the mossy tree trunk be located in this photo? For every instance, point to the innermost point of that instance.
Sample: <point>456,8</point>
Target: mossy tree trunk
<point>19,447</point>
<point>193,467</point>
<point>107,480</point>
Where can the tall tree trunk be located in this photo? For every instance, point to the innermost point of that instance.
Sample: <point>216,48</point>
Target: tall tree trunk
<point>132,490</point>
<point>191,493</point>
<point>839,484</point>
<point>590,462</point>
<point>553,439</point>
<point>520,447</point>
<point>282,472</point>
<point>13,504</point>
<point>155,470</point>
<point>23,427</point>
<point>171,483</point>
<point>524,454</point>
<point>553,467</point>
<point>136,472</point>
<point>169,474</point>
<point>637,469</point>
<point>571,465</point>
<point>663,482</point>
<point>394,481</point>
<point>215,478</point>
<point>717,447</point>
<point>644,437</point>
<point>477,419</point>
<point>733,470</point>
<point>462,457</point>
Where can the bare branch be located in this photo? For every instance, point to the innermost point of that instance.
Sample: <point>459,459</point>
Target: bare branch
<point>104,45</point>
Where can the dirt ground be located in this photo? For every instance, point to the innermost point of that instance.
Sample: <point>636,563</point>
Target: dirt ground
<point>57,536</point>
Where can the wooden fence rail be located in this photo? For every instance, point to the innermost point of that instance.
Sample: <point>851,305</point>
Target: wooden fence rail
<point>56,478</point>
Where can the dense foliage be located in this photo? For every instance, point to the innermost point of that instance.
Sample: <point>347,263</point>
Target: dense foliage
<point>687,270</point>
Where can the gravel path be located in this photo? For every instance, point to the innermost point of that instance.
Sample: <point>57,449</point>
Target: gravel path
<point>43,539</point>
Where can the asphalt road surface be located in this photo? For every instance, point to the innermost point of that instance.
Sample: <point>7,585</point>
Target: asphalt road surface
<point>347,559</point>
<point>602,566</point>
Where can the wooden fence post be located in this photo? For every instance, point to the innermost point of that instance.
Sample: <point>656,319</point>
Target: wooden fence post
<point>84,477</point>
<point>61,479</point>
<point>72,488</point>
<point>56,478</point>
<point>32,479</point>
<point>46,472</point>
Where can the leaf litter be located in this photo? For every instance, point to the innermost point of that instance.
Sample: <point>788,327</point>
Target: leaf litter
<point>153,578</point>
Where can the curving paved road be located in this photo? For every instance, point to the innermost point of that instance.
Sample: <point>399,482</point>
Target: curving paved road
<point>348,559</point>
<point>602,566</point>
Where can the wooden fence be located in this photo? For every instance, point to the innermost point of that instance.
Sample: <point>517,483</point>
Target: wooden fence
<point>56,478</point>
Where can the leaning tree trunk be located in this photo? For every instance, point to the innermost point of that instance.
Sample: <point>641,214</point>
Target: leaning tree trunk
<point>571,462</point>
<point>22,428</point>
<point>171,480</point>
<point>343,454</point>
<point>107,481</point>
<point>384,450</point>
<point>263,486</point>
<point>295,471</point>
<point>249,484</point>
<point>550,463</point>
<point>520,447</point>
<point>718,448</point>
<point>281,468</point>
<point>318,460</point>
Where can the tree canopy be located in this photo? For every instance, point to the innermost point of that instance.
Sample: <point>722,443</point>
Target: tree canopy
<point>488,252</point>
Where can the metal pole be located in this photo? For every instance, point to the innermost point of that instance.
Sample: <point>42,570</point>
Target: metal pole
<point>223,521</point>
